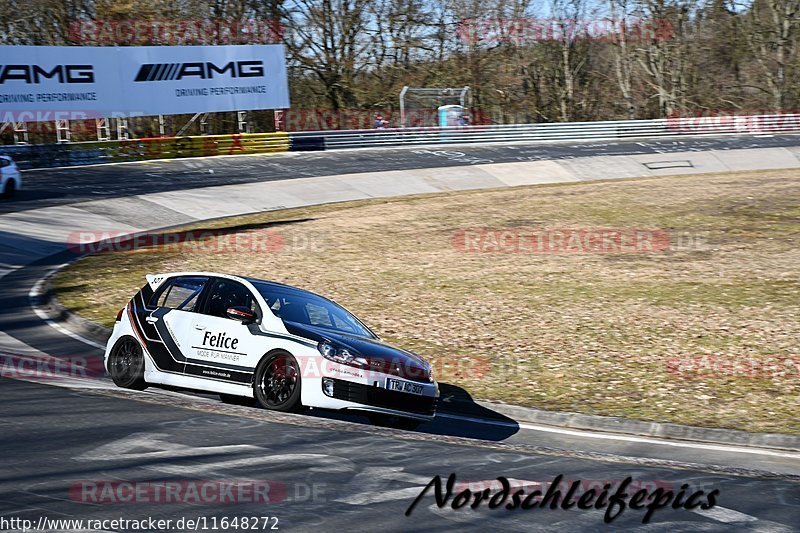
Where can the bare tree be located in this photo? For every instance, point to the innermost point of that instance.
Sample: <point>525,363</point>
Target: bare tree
<point>771,28</point>
<point>662,57</point>
<point>331,40</point>
<point>623,55</point>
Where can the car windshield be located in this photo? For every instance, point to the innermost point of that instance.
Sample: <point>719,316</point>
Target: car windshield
<point>306,308</point>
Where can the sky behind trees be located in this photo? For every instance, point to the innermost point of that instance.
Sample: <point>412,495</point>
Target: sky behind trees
<point>525,61</point>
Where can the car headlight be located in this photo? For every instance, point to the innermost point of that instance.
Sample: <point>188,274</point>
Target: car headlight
<point>341,355</point>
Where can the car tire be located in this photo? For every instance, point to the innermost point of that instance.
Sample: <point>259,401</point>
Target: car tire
<point>396,422</point>
<point>277,382</point>
<point>126,364</point>
<point>232,399</point>
<point>10,189</point>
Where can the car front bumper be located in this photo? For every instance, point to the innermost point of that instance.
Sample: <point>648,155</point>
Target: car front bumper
<point>359,390</point>
<point>380,397</point>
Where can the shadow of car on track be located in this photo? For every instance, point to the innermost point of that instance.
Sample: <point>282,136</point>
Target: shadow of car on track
<point>457,415</point>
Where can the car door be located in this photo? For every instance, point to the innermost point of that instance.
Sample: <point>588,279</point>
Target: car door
<point>220,348</point>
<point>167,316</point>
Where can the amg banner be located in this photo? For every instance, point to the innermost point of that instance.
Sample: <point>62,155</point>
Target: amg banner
<point>46,83</point>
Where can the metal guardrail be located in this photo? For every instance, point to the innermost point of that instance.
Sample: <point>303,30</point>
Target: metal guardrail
<point>93,153</point>
<point>43,156</point>
<point>571,131</point>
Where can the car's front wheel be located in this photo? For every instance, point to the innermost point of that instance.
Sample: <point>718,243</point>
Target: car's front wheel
<point>277,383</point>
<point>126,364</point>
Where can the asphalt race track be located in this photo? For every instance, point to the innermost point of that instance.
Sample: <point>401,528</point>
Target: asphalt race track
<point>60,441</point>
<point>331,478</point>
<point>47,187</point>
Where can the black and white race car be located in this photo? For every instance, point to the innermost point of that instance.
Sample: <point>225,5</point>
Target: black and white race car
<point>258,341</point>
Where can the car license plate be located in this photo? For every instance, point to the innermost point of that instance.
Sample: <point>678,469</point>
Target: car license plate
<point>403,386</point>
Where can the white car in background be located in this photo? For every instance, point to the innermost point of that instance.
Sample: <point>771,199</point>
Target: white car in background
<point>10,177</point>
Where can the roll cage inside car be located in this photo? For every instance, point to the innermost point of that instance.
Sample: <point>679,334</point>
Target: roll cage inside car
<point>208,295</point>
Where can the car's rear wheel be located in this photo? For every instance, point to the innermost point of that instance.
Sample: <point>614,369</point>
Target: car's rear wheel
<point>10,189</point>
<point>232,399</point>
<point>126,364</point>
<point>277,383</point>
<point>391,421</point>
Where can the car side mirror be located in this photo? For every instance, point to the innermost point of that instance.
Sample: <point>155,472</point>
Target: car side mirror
<point>241,313</point>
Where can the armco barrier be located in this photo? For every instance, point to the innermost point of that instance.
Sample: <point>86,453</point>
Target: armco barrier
<point>257,143</point>
<point>568,131</point>
<point>55,155</point>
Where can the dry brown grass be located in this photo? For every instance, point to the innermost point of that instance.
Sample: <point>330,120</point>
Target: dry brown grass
<point>591,333</point>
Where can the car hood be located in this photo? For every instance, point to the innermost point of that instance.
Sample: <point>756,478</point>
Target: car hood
<point>381,356</point>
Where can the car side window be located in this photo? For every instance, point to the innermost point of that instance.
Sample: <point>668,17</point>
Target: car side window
<point>292,311</point>
<point>4,163</point>
<point>180,293</point>
<point>226,293</point>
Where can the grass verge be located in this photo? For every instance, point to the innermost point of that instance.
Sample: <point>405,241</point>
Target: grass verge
<point>703,331</point>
